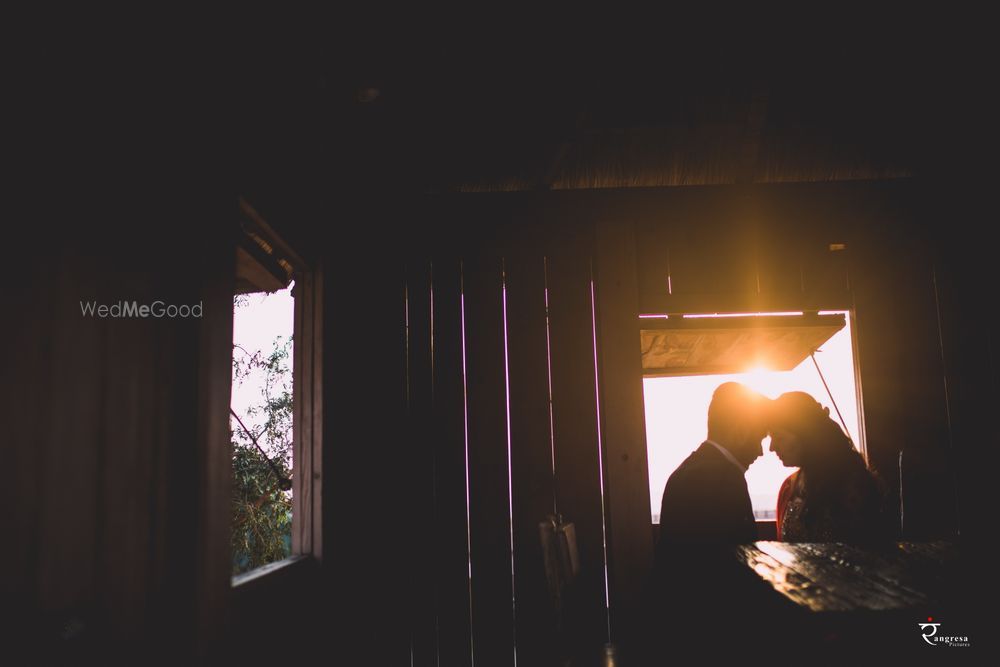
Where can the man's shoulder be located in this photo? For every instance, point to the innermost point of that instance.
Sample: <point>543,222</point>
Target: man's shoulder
<point>699,464</point>
<point>707,458</point>
<point>702,471</point>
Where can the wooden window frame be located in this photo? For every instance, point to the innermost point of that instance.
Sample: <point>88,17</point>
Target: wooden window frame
<point>307,414</point>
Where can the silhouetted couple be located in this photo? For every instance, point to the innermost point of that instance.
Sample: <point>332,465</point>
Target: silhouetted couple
<point>699,587</point>
<point>833,497</point>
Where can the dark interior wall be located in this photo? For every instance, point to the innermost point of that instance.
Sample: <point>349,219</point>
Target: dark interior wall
<point>118,493</point>
<point>370,539</point>
<point>768,247</point>
<point>748,247</point>
<point>408,499</point>
<point>903,240</point>
<point>965,280</point>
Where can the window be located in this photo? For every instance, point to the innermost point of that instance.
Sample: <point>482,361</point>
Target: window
<point>276,393</point>
<point>262,427</point>
<point>768,352</point>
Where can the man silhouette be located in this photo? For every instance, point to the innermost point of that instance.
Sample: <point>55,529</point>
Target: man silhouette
<point>705,501</point>
<point>698,589</point>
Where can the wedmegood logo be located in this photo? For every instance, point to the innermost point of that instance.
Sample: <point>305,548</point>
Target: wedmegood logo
<point>156,309</point>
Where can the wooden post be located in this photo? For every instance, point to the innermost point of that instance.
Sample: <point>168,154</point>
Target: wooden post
<point>623,424</point>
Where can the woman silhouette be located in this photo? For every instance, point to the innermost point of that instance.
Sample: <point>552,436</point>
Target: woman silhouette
<point>833,496</point>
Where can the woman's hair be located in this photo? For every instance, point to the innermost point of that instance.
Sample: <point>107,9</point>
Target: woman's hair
<point>801,414</point>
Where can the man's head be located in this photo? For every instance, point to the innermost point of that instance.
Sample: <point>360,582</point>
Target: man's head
<point>737,420</point>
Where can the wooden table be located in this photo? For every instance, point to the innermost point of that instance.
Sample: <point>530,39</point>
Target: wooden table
<point>838,599</point>
<point>834,577</point>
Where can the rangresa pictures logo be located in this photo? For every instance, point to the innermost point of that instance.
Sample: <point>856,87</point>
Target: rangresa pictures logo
<point>930,634</point>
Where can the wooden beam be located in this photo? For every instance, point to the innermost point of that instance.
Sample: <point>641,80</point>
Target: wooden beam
<point>747,302</point>
<point>259,225</point>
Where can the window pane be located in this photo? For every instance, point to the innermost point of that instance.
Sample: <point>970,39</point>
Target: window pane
<point>262,399</point>
<point>677,414</point>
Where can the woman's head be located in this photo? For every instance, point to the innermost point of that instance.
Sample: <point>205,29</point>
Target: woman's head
<point>802,432</point>
<point>834,477</point>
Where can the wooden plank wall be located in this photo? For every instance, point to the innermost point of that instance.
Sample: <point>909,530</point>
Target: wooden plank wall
<point>775,253</point>
<point>964,280</point>
<point>482,430</point>
<point>502,310</point>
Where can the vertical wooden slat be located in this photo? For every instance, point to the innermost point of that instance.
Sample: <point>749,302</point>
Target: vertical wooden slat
<point>971,359</point>
<point>346,476</point>
<point>903,377</point>
<point>492,612</point>
<point>578,483</point>
<point>383,309</point>
<point>418,525</point>
<point>530,450</point>
<point>307,388</point>
<point>316,409</point>
<point>302,375</point>
<point>451,543</point>
<point>623,425</point>
<point>366,437</point>
<point>214,463</point>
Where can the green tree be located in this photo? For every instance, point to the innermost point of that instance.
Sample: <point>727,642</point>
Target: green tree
<point>262,511</point>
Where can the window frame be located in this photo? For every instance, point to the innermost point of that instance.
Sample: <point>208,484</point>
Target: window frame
<point>307,413</point>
